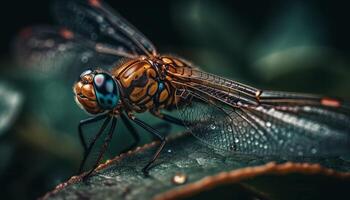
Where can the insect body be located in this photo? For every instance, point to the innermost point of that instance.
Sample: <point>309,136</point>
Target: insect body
<point>222,113</point>
<point>137,86</point>
<point>144,85</point>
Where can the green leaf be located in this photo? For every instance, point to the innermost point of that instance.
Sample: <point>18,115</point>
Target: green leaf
<point>188,169</point>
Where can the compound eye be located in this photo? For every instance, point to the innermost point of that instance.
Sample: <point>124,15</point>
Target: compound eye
<point>106,91</point>
<point>100,80</point>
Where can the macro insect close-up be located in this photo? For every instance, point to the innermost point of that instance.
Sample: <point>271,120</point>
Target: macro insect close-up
<point>229,130</point>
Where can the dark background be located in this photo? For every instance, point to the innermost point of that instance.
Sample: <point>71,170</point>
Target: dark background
<point>157,20</point>
<point>281,45</point>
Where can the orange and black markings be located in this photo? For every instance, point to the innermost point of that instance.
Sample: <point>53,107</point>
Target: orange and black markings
<point>142,87</point>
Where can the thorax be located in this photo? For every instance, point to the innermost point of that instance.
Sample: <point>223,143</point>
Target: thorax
<point>145,84</point>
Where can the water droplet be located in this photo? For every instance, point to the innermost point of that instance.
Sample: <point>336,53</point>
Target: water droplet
<point>268,124</point>
<point>109,182</point>
<point>212,127</point>
<point>169,151</point>
<point>307,108</point>
<point>252,131</point>
<point>179,179</point>
<point>99,19</point>
<point>84,59</point>
<point>110,30</point>
<point>256,143</point>
<point>313,150</point>
<point>62,47</point>
<point>236,140</point>
<point>49,43</point>
<point>265,146</point>
<point>229,129</point>
<point>300,153</point>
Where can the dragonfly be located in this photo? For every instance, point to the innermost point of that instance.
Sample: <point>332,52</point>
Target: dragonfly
<point>132,77</point>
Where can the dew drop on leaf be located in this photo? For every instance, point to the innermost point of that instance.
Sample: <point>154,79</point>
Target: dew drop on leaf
<point>179,178</point>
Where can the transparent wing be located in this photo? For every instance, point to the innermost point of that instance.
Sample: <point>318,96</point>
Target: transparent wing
<point>280,123</point>
<point>207,122</point>
<point>54,50</point>
<point>298,130</point>
<point>222,127</point>
<point>98,22</point>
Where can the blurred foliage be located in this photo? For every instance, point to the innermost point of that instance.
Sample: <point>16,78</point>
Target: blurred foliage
<point>11,103</point>
<point>290,46</point>
<point>286,49</point>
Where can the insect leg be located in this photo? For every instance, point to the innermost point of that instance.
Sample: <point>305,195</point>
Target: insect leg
<point>132,130</point>
<point>104,146</point>
<point>85,122</point>
<point>157,134</point>
<point>89,148</point>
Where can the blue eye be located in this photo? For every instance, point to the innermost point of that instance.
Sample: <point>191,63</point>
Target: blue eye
<point>106,91</point>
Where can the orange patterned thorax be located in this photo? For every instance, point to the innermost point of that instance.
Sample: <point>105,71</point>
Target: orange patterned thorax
<point>144,86</point>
